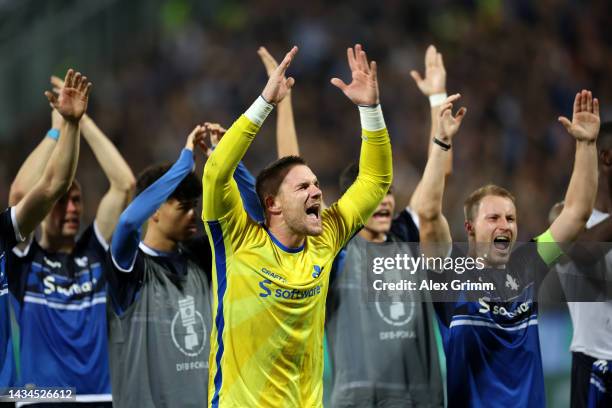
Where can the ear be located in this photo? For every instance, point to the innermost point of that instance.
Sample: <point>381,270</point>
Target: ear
<point>605,156</point>
<point>469,228</point>
<point>155,216</point>
<point>272,205</point>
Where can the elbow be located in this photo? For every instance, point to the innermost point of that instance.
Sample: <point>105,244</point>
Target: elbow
<point>127,184</point>
<point>16,193</point>
<point>580,214</point>
<point>428,212</point>
<point>210,172</point>
<point>55,188</point>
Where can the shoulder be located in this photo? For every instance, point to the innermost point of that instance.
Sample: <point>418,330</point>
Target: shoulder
<point>91,240</point>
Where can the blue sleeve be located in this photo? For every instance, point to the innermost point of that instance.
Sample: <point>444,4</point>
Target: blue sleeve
<point>126,238</point>
<point>250,200</point>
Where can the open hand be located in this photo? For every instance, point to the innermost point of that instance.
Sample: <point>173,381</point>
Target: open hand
<point>449,124</point>
<point>72,98</point>
<point>278,85</point>
<point>585,122</point>
<point>435,74</point>
<point>363,89</point>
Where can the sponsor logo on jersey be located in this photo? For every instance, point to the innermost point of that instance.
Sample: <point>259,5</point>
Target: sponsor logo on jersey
<point>287,293</point>
<point>74,289</point>
<point>272,274</point>
<point>188,328</point>
<point>521,309</point>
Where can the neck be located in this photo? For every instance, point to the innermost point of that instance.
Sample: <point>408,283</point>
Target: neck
<point>56,244</point>
<point>286,236</point>
<point>372,236</point>
<point>155,240</point>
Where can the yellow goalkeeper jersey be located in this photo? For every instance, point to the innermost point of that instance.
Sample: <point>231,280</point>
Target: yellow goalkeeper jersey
<point>269,300</point>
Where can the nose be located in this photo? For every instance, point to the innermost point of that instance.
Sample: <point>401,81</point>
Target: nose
<point>503,223</point>
<point>315,192</point>
<point>71,206</point>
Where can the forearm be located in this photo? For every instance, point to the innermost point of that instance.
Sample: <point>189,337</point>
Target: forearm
<point>286,135</point>
<point>375,166</point>
<point>582,189</point>
<point>112,163</point>
<point>31,169</point>
<point>126,238</point>
<point>428,202</point>
<point>54,182</point>
<point>61,168</point>
<point>222,163</point>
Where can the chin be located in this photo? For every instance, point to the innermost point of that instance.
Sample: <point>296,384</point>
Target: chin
<point>496,259</point>
<point>70,232</point>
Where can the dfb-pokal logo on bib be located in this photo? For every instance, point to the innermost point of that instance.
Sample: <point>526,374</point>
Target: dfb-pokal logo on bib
<point>188,328</point>
<point>396,312</point>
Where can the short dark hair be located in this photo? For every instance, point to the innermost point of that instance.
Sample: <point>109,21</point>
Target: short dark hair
<point>348,177</point>
<point>269,179</point>
<point>189,189</point>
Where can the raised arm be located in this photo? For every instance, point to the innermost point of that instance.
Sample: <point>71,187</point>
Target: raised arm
<point>34,165</point>
<point>116,169</point>
<point>221,196</point>
<point>125,242</point>
<point>582,189</point>
<point>433,86</point>
<point>286,135</point>
<point>428,205</point>
<point>375,163</point>
<point>243,177</point>
<point>59,171</point>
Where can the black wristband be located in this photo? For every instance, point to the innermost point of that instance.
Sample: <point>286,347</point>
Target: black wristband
<point>266,101</point>
<point>440,143</point>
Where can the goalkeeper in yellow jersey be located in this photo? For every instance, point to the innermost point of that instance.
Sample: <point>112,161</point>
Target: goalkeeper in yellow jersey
<point>270,280</point>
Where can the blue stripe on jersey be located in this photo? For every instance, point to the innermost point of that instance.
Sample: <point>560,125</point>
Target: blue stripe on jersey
<point>219,248</point>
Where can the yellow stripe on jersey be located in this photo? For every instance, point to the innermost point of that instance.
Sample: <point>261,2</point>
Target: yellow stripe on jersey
<point>269,303</point>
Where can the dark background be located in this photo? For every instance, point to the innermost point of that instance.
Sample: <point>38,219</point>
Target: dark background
<point>161,66</point>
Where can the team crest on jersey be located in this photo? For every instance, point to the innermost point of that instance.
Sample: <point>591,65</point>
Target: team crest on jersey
<point>317,271</point>
<point>81,262</point>
<point>188,328</point>
<point>511,282</point>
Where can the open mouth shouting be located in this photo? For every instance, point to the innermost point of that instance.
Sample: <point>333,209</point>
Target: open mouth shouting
<point>502,242</point>
<point>382,214</point>
<point>313,211</point>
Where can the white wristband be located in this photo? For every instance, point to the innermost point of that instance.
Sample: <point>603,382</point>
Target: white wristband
<point>259,111</point>
<point>372,118</point>
<point>437,99</point>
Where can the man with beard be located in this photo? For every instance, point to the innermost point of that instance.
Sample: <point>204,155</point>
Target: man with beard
<point>270,280</point>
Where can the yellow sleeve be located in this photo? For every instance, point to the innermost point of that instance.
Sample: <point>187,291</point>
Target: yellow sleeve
<point>548,249</point>
<point>221,197</point>
<point>359,202</point>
